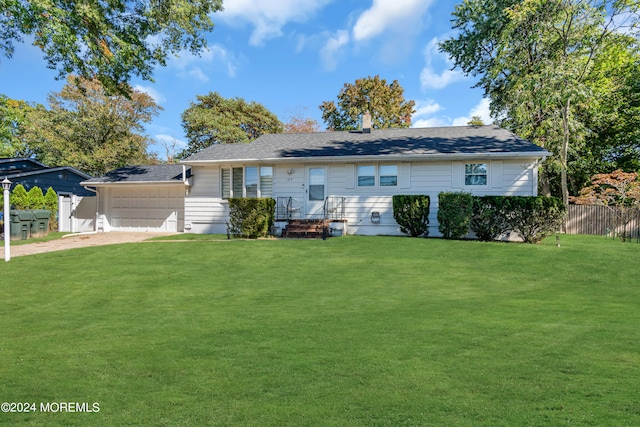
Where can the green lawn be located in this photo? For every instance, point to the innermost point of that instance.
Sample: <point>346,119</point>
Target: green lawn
<point>352,331</point>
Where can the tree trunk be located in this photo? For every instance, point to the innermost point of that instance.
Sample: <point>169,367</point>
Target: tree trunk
<point>564,151</point>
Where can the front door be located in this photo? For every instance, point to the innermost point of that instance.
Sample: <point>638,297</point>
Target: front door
<point>316,191</point>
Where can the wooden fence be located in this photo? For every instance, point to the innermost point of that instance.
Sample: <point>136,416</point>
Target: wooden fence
<point>603,221</point>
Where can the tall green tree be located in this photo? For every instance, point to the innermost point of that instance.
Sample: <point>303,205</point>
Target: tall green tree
<point>385,102</point>
<point>13,117</point>
<point>110,40</point>
<point>89,129</point>
<point>535,59</point>
<point>614,119</point>
<point>214,119</point>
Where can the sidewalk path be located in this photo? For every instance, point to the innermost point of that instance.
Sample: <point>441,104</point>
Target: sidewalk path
<point>78,241</point>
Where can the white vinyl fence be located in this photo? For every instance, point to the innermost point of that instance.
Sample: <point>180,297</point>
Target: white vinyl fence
<point>76,214</point>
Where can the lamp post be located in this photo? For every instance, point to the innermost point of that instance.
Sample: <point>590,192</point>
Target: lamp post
<point>6,186</point>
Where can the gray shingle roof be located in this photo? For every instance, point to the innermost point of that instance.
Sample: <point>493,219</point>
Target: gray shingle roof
<point>419,142</point>
<point>141,174</point>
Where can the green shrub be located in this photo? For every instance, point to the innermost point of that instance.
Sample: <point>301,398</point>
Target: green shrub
<point>534,218</point>
<point>251,218</point>
<point>36,198</point>
<point>51,204</point>
<point>454,214</point>
<point>19,198</point>
<point>490,217</point>
<point>411,212</point>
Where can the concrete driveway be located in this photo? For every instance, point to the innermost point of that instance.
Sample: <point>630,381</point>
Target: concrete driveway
<point>78,241</point>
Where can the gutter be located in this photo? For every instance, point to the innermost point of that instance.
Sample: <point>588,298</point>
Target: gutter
<point>374,157</point>
<point>107,184</point>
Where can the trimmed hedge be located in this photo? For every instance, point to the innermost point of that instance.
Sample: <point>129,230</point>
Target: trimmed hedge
<point>454,214</point>
<point>490,220</point>
<point>532,218</point>
<point>411,212</point>
<point>251,218</point>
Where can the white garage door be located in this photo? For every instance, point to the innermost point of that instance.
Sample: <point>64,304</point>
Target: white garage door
<point>153,208</point>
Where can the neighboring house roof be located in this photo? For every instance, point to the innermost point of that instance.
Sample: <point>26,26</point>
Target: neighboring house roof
<point>410,143</point>
<point>24,166</point>
<point>30,173</point>
<point>144,174</point>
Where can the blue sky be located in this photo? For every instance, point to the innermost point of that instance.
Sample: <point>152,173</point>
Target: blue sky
<point>290,56</point>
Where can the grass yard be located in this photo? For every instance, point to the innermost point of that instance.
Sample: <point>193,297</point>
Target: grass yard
<point>352,331</point>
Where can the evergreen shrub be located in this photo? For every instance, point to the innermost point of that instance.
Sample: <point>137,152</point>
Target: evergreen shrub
<point>51,204</point>
<point>19,198</point>
<point>36,198</point>
<point>490,217</point>
<point>454,214</point>
<point>535,217</point>
<point>411,212</point>
<point>251,218</point>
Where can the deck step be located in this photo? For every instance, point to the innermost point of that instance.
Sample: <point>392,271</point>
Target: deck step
<point>307,228</point>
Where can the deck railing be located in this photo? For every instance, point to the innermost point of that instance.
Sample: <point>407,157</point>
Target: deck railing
<point>287,208</point>
<point>334,208</point>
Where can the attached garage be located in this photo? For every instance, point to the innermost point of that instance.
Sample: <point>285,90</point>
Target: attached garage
<point>142,198</point>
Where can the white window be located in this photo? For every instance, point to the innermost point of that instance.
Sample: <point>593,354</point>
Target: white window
<point>251,181</point>
<point>374,175</point>
<point>388,175</point>
<point>475,174</point>
<point>226,183</point>
<point>266,181</point>
<point>366,176</point>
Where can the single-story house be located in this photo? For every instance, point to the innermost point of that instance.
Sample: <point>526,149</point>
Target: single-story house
<point>31,173</point>
<point>348,177</point>
<point>141,198</point>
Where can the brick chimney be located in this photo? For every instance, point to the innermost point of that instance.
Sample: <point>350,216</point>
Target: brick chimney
<point>366,122</point>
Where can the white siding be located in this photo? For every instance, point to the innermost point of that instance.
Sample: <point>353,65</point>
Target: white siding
<point>206,212</point>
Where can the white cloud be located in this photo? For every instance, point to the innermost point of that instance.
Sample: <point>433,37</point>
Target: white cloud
<point>192,65</point>
<point>158,97</point>
<point>481,110</point>
<point>396,15</point>
<point>195,73</point>
<point>268,17</point>
<point>432,79</point>
<point>429,123</point>
<point>333,48</point>
<point>425,115</point>
<point>424,109</point>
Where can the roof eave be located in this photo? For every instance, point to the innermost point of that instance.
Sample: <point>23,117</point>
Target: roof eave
<point>369,158</point>
<point>108,184</point>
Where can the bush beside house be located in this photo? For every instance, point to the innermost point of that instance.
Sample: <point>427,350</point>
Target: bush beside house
<point>411,212</point>
<point>532,218</point>
<point>251,218</point>
<point>454,214</point>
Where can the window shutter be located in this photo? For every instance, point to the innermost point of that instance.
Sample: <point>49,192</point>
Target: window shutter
<point>350,176</point>
<point>456,175</point>
<point>496,174</point>
<point>405,175</point>
<point>226,183</point>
